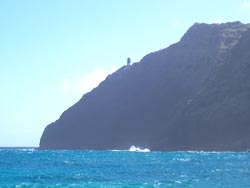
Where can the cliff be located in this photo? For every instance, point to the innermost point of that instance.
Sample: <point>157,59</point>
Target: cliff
<point>193,95</point>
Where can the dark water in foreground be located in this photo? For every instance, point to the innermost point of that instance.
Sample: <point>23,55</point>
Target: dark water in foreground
<point>28,168</point>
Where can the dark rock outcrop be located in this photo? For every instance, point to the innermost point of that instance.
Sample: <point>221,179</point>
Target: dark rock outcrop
<point>193,95</point>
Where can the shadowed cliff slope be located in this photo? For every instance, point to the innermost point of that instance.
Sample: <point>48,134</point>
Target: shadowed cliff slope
<point>193,95</point>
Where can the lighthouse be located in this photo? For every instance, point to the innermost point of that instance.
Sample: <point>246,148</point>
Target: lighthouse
<point>128,61</point>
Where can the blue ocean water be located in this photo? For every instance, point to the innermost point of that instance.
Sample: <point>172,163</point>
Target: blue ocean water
<point>23,168</point>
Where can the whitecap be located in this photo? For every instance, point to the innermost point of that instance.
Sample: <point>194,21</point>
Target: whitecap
<point>24,184</point>
<point>178,182</point>
<point>132,149</point>
<point>116,150</point>
<point>138,149</point>
<point>182,159</point>
<point>27,149</point>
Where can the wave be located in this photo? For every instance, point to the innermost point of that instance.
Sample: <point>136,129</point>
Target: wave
<point>133,149</point>
<point>137,149</point>
<point>19,148</point>
<point>26,149</point>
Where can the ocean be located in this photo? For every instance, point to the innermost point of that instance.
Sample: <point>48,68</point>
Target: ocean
<point>23,168</point>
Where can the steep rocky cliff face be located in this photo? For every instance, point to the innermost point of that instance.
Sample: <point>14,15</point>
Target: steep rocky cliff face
<point>193,95</point>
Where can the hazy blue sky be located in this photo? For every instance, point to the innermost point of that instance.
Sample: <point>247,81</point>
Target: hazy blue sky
<point>54,51</point>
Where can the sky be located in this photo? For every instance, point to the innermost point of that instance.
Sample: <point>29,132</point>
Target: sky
<point>53,52</point>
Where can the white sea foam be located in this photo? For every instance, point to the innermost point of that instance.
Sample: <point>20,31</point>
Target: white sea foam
<point>182,159</point>
<point>28,149</point>
<point>116,150</point>
<point>137,149</point>
<point>133,149</point>
<point>178,182</point>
